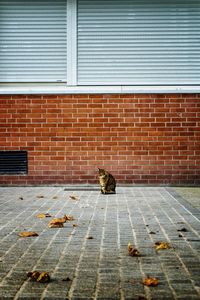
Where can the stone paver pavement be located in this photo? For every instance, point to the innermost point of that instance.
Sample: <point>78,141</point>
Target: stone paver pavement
<point>90,261</point>
<point>190,194</point>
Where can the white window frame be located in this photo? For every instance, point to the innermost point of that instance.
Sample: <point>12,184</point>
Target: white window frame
<point>72,87</point>
<point>71,42</point>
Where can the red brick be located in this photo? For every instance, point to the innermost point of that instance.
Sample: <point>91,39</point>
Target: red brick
<point>142,138</point>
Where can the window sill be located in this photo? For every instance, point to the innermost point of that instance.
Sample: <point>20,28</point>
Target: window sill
<point>63,89</point>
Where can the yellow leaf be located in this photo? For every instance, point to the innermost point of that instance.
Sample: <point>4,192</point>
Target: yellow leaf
<point>162,245</point>
<point>39,276</point>
<point>28,233</point>
<point>132,251</point>
<point>43,216</point>
<point>44,277</point>
<point>129,247</point>
<point>150,281</point>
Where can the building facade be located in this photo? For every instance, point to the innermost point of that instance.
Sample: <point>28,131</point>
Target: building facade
<point>111,84</point>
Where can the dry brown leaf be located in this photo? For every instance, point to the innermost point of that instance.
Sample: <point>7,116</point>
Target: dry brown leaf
<point>28,233</point>
<point>43,216</point>
<point>73,197</point>
<point>162,245</point>
<point>75,225</point>
<point>150,281</point>
<point>132,251</point>
<point>55,224</point>
<point>58,222</point>
<point>129,247</point>
<point>182,229</point>
<point>66,279</point>
<point>69,218</point>
<point>40,196</point>
<point>39,276</point>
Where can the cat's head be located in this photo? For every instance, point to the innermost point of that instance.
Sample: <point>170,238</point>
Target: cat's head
<point>101,172</point>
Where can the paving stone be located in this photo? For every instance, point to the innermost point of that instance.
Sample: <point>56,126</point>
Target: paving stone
<point>99,267</point>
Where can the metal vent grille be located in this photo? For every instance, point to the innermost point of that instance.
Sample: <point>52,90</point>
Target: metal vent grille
<point>13,162</point>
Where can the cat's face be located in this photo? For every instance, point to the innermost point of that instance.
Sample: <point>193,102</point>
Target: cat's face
<point>101,172</point>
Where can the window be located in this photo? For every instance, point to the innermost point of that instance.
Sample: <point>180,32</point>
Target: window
<point>100,42</point>
<point>33,41</point>
<point>138,42</point>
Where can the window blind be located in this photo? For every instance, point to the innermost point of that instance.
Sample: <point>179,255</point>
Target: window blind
<point>138,42</point>
<point>33,41</point>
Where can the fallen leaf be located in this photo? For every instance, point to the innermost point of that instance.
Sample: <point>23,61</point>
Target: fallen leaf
<point>40,196</point>
<point>85,206</point>
<point>47,215</point>
<point>150,281</point>
<point>69,218</point>
<point>162,245</point>
<point>44,277</point>
<point>28,233</point>
<point>183,229</point>
<point>33,275</point>
<point>67,279</point>
<point>55,224</point>
<point>129,247</point>
<point>73,197</point>
<point>132,251</point>
<point>39,276</point>
<point>58,222</point>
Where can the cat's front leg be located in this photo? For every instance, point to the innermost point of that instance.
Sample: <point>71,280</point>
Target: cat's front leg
<point>103,190</point>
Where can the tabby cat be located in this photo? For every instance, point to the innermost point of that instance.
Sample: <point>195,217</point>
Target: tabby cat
<point>107,182</point>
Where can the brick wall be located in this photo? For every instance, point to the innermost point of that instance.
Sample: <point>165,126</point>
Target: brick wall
<point>141,139</point>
